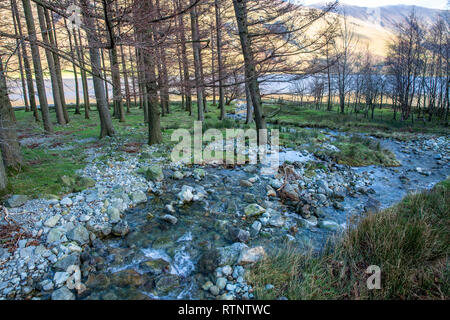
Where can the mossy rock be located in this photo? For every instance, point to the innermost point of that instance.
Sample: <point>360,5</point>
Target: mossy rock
<point>152,173</point>
<point>83,183</point>
<point>66,181</point>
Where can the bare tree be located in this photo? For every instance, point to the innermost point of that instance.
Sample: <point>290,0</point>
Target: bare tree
<point>9,145</point>
<point>107,128</point>
<point>48,127</point>
<point>404,60</point>
<point>344,51</point>
<point>197,63</point>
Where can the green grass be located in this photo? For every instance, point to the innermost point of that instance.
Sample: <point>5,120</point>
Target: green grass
<point>382,124</point>
<point>357,151</point>
<point>43,167</point>
<point>409,242</point>
<point>41,175</point>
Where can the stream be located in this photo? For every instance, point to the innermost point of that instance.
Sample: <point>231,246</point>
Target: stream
<point>160,260</point>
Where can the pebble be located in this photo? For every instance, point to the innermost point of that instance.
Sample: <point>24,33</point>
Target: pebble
<point>221,283</point>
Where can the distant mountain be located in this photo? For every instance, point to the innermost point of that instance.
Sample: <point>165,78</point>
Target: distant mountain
<point>374,27</point>
<point>388,16</point>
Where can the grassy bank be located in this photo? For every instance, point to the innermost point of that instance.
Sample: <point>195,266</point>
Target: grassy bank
<point>382,124</point>
<point>48,157</point>
<point>409,242</point>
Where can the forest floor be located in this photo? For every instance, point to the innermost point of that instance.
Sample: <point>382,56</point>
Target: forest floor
<point>64,152</point>
<point>140,226</point>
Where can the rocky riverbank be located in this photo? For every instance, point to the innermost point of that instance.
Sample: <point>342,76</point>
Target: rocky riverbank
<point>146,228</point>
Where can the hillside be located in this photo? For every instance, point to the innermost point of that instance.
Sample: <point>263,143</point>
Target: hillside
<point>375,26</point>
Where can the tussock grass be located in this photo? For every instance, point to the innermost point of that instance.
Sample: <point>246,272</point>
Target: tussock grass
<point>409,242</point>
<point>358,151</point>
<point>317,117</point>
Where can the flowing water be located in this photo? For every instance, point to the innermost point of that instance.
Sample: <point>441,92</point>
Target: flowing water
<point>203,225</point>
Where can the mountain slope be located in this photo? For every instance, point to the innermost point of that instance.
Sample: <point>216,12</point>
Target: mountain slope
<point>389,16</point>
<point>374,27</point>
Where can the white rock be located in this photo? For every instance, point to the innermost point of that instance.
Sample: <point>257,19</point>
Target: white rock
<point>251,255</point>
<point>66,202</point>
<point>52,221</point>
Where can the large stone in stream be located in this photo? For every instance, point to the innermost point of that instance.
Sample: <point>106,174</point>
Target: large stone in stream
<point>290,192</point>
<point>65,262</point>
<point>52,221</point>
<point>56,234</point>
<point>63,294</point>
<point>155,267</point>
<point>138,197</point>
<point>186,194</point>
<point>101,230</point>
<point>170,219</point>
<point>254,210</point>
<point>277,220</point>
<point>166,283</point>
<point>209,261</point>
<point>121,229</point>
<point>127,278</point>
<point>97,281</point>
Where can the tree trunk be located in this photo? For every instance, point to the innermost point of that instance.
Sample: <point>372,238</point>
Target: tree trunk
<point>160,82</point>
<point>3,177</point>
<point>48,127</point>
<point>105,78</point>
<point>240,10</point>
<point>84,83</point>
<point>133,78</point>
<point>249,118</point>
<point>117,90</point>
<point>19,58</point>
<point>213,67</point>
<point>51,67</point>
<point>75,74</point>
<point>9,145</point>
<point>54,42</point>
<point>124,68</point>
<point>164,74</point>
<point>180,68</point>
<point>102,105</point>
<point>26,64</point>
<point>184,58</point>
<point>125,79</point>
<point>197,63</point>
<point>219,59</point>
<point>149,63</point>
<point>329,107</point>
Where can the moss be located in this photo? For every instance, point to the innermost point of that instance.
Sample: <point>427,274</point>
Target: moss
<point>41,175</point>
<point>357,151</point>
<point>359,155</point>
